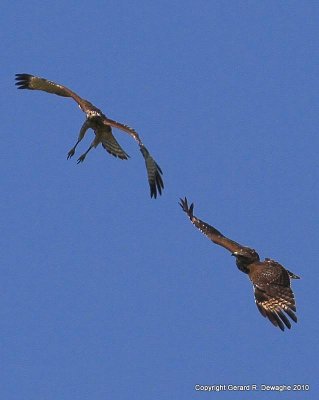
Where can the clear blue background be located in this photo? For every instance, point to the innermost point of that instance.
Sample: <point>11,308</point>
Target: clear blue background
<point>107,294</point>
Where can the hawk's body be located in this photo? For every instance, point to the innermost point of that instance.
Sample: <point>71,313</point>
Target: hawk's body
<point>100,124</point>
<point>271,281</point>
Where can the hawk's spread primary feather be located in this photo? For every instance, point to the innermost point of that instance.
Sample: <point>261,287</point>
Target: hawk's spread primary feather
<point>271,281</point>
<point>101,125</point>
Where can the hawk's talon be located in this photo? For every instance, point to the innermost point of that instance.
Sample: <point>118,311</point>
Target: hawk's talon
<point>70,153</point>
<point>81,159</point>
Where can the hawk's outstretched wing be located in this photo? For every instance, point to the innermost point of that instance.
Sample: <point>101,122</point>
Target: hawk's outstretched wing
<point>213,234</point>
<point>273,295</point>
<point>31,82</point>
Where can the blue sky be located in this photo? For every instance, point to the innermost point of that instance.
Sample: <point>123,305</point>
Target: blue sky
<point>106,293</point>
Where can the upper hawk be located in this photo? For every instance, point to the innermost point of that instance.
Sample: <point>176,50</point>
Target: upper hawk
<point>101,125</point>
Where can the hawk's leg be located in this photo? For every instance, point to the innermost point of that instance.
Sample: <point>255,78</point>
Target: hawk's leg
<point>93,144</point>
<point>83,130</point>
<point>82,157</point>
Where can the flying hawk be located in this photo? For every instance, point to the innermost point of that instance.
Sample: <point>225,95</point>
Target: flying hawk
<point>271,281</point>
<point>101,125</point>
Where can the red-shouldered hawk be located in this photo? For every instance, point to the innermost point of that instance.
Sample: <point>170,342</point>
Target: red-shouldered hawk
<point>271,281</point>
<point>101,125</point>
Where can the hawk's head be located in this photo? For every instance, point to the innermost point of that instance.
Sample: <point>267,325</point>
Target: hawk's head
<point>244,257</point>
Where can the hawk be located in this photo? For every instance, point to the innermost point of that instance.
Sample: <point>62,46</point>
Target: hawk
<point>271,281</point>
<point>102,127</point>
